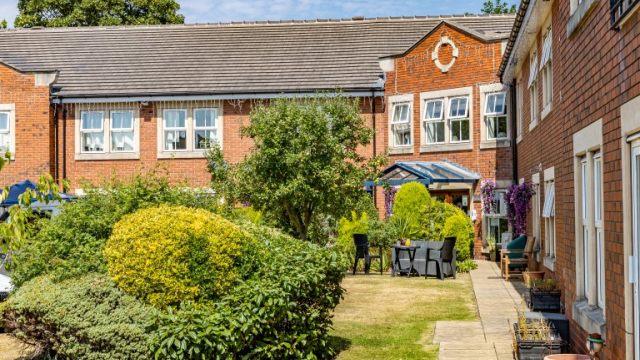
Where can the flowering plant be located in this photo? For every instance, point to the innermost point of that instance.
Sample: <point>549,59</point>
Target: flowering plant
<point>488,195</point>
<point>389,195</point>
<point>518,199</point>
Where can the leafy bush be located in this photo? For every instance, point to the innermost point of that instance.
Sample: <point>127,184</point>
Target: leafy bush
<point>167,254</point>
<point>382,233</point>
<point>466,266</point>
<point>282,311</point>
<point>83,318</point>
<point>346,229</point>
<point>411,201</point>
<point>72,243</point>
<point>461,227</point>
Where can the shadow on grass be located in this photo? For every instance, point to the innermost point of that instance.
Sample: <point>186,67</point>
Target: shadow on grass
<point>339,344</point>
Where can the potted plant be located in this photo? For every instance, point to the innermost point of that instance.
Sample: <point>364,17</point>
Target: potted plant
<point>533,339</point>
<point>530,277</point>
<point>544,295</point>
<point>491,244</point>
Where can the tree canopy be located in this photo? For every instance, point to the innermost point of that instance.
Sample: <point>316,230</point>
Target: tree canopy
<point>499,7</point>
<point>58,13</point>
<point>304,162</point>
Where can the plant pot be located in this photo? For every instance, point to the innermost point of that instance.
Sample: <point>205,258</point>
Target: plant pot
<point>536,349</point>
<point>567,357</point>
<point>529,276</point>
<point>544,301</point>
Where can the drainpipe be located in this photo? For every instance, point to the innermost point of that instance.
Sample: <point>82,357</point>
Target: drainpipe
<point>55,146</point>
<point>373,114</point>
<point>64,141</point>
<point>514,132</point>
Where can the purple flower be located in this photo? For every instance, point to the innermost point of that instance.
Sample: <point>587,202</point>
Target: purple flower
<point>518,199</point>
<point>389,196</point>
<point>487,191</point>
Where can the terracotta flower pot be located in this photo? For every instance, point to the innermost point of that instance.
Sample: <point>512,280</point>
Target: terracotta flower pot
<point>567,357</point>
<point>529,276</point>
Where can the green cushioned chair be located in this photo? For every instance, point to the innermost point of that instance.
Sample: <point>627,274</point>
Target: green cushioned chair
<point>516,256</point>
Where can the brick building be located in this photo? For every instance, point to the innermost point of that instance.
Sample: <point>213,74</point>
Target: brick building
<point>574,71</point>
<point>86,103</point>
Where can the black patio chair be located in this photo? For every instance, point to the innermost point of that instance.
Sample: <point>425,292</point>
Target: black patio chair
<point>362,252</point>
<point>446,255</point>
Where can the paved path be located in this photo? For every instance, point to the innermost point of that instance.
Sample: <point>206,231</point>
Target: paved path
<point>488,338</point>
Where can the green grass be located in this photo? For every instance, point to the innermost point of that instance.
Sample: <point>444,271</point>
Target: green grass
<point>384,317</point>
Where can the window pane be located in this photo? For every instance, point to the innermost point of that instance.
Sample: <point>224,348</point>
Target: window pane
<point>122,141</point>
<point>127,120</point>
<point>4,122</point>
<point>464,130</point>
<point>435,132</point>
<point>205,118</point>
<point>402,134</point>
<point>585,244</point>
<point>401,113</point>
<point>491,104</point>
<point>200,118</point>
<point>458,107</point>
<point>597,189</point>
<point>491,128</point>
<point>116,120</point>
<point>97,120</point>
<point>206,138</point>
<point>175,118</point>
<point>455,131</point>
<point>502,127</point>
<point>175,140</point>
<point>499,106</point>
<point>86,121</point>
<point>93,142</point>
<point>4,143</point>
<point>434,110</point>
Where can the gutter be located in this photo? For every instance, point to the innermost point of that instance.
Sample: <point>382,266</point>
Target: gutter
<point>515,35</point>
<point>116,98</point>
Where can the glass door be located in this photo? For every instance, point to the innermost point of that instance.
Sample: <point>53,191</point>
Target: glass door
<point>635,184</point>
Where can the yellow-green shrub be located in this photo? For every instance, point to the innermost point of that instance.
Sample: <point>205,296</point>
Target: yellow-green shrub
<point>169,254</point>
<point>460,226</point>
<point>346,229</point>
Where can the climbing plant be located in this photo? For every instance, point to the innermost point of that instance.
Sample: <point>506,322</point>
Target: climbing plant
<point>518,199</point>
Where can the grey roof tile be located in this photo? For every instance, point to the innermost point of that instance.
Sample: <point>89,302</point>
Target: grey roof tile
<point>225,58</point>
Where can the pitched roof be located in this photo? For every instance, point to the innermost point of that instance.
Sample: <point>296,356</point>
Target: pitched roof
<point>231,58</point>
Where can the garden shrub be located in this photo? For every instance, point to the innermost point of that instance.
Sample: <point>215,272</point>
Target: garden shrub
<point>348,227</point>
<point>82,318</point>
<point>460,226</point>
<point>71,244</point>
<point>466,266</point>
<point>411,200</point>
<point>280,311</point>
<point>167,254</point>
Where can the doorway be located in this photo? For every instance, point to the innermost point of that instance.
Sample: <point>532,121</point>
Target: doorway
<point>457,198</point>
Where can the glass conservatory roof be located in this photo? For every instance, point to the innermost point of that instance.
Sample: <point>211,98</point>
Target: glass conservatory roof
<point>425,172</point>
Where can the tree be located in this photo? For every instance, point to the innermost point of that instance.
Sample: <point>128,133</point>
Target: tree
<point>500,7</point>
<point>304,163</point>
<point>3,24</point>
<point>14,232</point>
<point>57,13</point>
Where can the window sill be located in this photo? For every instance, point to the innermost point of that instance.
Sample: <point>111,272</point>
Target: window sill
<point>518,139</point>
<point>550,263</point>
<point>533,125</point>
<point>589,318</point>
<point>108,156</point>
<point>494,144</point>
<point>181,155</point>
<point>546,111</point>
<point>431,148</point>
<point>401,150</point>
<point>579,16</point>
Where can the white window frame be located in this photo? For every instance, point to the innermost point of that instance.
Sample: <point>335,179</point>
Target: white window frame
<point>635,221</point>
<point>406,121</point>
<point>207,128</point>
<point>533,88</point>
<point>599,227</point>
<point>92,131</point>
<point>519,106</point>
<point>492,114</point>
<point>549,215</point>
<point>131,129</point>
<point>535,213</point>
<point>435,121</point>
<point>175,130</point>
<point>546,72</point>
<point>459,119</point>
<point>6,132</point>
<point>584,186</point>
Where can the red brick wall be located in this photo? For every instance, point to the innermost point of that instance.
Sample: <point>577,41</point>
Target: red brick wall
<point>33,135</point>
<point>476,65</point>
<point>594,72</point>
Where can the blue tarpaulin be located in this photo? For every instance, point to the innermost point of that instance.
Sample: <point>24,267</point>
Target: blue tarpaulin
<point>18,189</point>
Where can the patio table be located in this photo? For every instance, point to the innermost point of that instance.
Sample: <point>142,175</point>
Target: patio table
<point>411,250</point>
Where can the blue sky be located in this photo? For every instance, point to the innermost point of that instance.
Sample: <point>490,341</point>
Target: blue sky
<point>200,11</point>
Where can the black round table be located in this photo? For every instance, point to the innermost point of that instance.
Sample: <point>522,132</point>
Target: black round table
<point>397,268</point>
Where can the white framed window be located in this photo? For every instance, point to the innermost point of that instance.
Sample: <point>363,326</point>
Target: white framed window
<point>175,130</point>
<point>519,105</point>
<point>5,132</point>
<point>206,128</point>
<point>496,116</point>
<point>549,215</point>
<point>535,211</point>
<point>459,119</point>
<point>546,70</point>
<point>598,222</point>
<point>434,121</point>
<point>122,131</point>
<point>635,220</point>
<point>585,223</point>
<point>92,131</point>
<point>533,88</point>
<point>400,125</point>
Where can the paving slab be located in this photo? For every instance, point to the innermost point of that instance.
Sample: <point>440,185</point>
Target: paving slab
<point>489,338</point>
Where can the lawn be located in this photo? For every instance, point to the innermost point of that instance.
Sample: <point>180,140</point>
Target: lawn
<point>384,317</point>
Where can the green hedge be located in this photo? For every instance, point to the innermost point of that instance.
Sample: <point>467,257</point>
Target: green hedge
<point>82,318</point>
<point>282,311</point>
